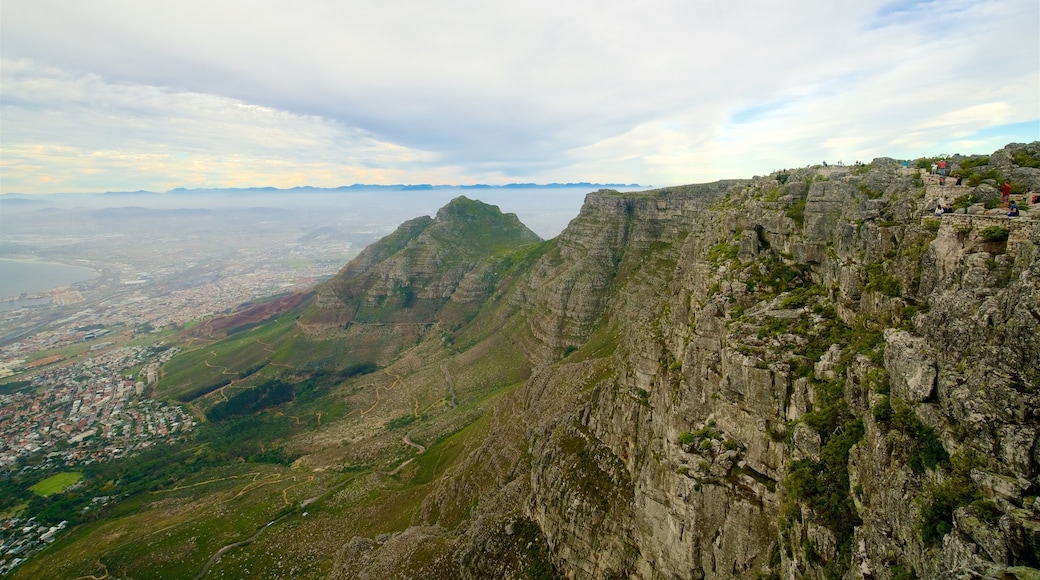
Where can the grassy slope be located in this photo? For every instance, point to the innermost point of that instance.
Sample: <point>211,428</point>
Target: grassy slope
<point>172,531</point>
<point>56,483</point>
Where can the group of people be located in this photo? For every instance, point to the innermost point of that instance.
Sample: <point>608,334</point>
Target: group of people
<point>842,164</point>
<point>939,168</point>
<point>943,206</point>
<point>1005,196</point>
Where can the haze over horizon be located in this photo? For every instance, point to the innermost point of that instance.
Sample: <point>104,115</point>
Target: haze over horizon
<point>122,96</point>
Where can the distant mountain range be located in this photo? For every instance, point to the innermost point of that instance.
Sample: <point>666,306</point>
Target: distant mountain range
<point>410,187</point>
<point>361,187</point>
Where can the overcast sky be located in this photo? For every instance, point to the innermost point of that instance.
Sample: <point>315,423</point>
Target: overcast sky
<point>126,95</point>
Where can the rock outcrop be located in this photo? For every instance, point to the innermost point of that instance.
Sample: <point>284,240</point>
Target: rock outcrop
<point>802,375</point>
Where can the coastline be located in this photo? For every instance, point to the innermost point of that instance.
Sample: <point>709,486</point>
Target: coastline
<point>31,276</point>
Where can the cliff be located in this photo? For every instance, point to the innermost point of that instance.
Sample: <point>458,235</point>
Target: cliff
<point>800,375</point>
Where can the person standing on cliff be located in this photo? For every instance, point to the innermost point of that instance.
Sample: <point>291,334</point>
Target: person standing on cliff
<point>1005,193</point>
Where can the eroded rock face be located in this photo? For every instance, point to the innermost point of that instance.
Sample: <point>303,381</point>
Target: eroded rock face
<point>803,375</point>
<point>735,323</point>
<point>909,365</point>
<point>413,274</point>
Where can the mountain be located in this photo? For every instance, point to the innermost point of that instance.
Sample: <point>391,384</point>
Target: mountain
<point>805,374</point>
<point>427,264</point>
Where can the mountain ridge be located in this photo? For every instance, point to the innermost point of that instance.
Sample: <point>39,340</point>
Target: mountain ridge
<point>805,374</point>
<point>12,196</point>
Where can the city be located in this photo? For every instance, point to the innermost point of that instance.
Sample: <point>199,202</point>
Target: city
<point>77,362</point>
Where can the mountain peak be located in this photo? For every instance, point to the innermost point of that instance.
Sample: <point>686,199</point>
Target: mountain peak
<point>412,274</point>
<point>468,209</point>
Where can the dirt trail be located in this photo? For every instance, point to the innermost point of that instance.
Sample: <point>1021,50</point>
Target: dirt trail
<point>397,379</point>
<point>103,568</point>
<point>407,439</point>
<point>213,559</point>
<point>269,350</point>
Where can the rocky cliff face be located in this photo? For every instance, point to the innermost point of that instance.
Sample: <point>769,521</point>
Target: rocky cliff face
<point>808,377</point>
<point>800,375</point>
<point>412,274</point>
<point>429,271</point>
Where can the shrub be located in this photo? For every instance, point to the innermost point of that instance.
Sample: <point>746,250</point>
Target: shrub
<point>936,516</point>
<point>926,449</point>
<point>883,411</point>
<point>967,165</point>
<point>800,296</point>
<point>722,251</point>
<point>824,485</point>
<point>796,211</point>
<point>268,394</point>
<point>685,438</point>
<point>976,178</point>
<point>878,280</point>
<point>994,234</point>
<point>1022,158</point>
<point>399,422</point>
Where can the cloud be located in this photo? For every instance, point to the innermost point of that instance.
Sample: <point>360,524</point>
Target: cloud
<point>671,91</point>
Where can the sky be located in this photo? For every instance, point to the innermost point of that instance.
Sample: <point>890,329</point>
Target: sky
<point>121,95</point>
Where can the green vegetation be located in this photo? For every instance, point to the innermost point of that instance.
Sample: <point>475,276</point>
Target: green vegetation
<point>925,449</point>
<point>865,189</point>
<point>701,437</point>
<point>403,421</point>
<point>777,275</point>
<point>1023,158</point>
<point>57,483</point>
<point>957,490</point>
<point>977,177</point>
<point>972,162</point>
<point>879,280</point>
<point>796,211</point>
<point>599,475</point>
<point>202,391</point>
<point>722,251</point>
<point>824,485</point>
<point>195,373</point>
<point>13,386</point>
<point>801,296</point>
<point>994,234</point>
<point>265,395</point>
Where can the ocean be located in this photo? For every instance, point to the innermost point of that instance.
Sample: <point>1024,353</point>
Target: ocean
<point>18,276</point>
